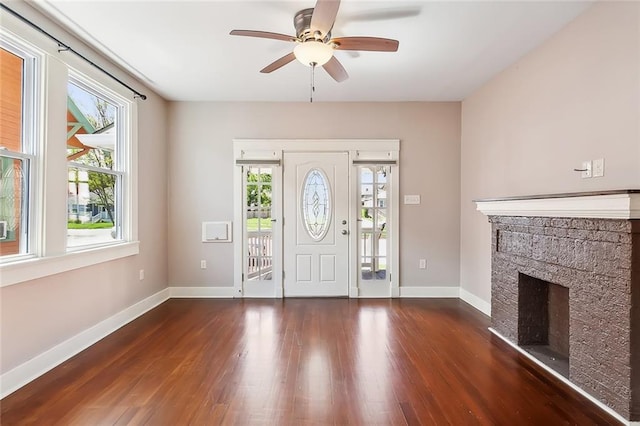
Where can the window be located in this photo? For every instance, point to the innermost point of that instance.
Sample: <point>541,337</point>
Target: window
<point>373,222</point>
<point>17,148</point>
<point>95,171</point>
<point>258,190</point>
<point>316,204</point>
<point>91,164</point>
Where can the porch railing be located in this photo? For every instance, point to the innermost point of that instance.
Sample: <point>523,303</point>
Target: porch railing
<point>260,255</point>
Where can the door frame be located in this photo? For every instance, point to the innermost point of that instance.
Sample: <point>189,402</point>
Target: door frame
<point>360,152</point>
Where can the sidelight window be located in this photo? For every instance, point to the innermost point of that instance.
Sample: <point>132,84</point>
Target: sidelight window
<point>258,195</point>
<point>373,236</point>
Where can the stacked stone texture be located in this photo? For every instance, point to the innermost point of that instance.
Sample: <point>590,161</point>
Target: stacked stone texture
<point>598,260</point>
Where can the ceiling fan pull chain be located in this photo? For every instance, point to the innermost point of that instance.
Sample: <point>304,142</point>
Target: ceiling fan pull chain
<point>313,81</point>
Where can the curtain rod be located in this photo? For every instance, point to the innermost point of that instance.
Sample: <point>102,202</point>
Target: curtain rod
<point>66,48</point>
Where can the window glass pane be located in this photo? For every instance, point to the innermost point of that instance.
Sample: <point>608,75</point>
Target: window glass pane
<point>373,223</point>
<point>91,128</point>
<point>265,196</point>
<point>91,207</point>
<point>12,192</point>
<point>93,197</point>
<point>380,268</point>
<point>381,219</point>
<point>11,92</point>
<point>366,265</point>
<point>316,211</point>
<point>258,223</point>
<point>252,195</point>
<point>14,172</point>
<point>265,175</point>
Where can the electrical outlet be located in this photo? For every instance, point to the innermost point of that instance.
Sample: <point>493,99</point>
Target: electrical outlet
<point>586,167</point>
<point>598,167</point>
<point>203,264</point>
<point>422,264</point>
<point>141,274</point>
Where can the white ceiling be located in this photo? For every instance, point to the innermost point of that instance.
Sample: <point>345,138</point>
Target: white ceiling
<point>183,50</point>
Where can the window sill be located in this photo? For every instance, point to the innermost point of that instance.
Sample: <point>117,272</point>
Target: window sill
<point>40,267</point>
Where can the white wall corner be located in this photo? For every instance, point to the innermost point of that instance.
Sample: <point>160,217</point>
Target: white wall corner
<point>202,292</point>
<point>476,302</point>
<point>14,379</point>
<point>422,291</point>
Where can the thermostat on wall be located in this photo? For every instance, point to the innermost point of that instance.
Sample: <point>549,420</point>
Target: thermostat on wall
<point>216,232</point>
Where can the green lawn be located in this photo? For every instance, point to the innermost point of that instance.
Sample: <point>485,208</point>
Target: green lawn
<point>71,225</point>
<point>252,224</point>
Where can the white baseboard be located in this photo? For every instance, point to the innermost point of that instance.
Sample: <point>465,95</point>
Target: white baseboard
<point>202,292</point>
<point>476,302</point>
<point>565,380</point>
<point>444,292</point>
<point>372,290</point>
<point>14,379</point>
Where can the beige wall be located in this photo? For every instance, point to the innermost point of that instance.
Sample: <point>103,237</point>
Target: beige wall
<point>575,98</point>
<point>201,176</point>
<point>37,315</point>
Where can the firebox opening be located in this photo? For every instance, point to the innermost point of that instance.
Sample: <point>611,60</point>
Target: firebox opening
<point>543,321</point>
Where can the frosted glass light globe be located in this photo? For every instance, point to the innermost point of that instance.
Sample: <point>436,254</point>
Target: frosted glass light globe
<point>313,52</point>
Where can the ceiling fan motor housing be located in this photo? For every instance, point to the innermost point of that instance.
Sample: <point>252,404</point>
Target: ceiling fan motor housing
<point>302,23</point>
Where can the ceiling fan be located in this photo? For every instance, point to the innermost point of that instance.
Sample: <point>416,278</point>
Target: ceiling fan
<point>314,43</point>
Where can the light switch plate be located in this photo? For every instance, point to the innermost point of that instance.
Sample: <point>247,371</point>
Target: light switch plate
<point>598,167</point>
<point>586,166</point>
<point>412,199</point>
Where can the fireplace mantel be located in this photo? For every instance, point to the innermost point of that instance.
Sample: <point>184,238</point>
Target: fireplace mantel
<point>617,204</point>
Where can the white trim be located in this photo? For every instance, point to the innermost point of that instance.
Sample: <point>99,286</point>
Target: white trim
<point>14,379</point>
<point>38,267</point>
<point>444,292</point>
<point>373,289</point>
<point>613,206</point>
<point>274,149</point>
<point>564,380</point>
<point>475,301</point>
<point>239,213</point>
<point>202,292</point>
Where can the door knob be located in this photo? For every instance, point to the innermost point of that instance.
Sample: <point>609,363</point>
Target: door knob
<point>345,232</point>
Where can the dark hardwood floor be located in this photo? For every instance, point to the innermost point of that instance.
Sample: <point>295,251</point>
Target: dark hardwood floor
<point>301,361</point>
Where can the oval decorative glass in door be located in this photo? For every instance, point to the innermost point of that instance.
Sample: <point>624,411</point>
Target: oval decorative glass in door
<point>316,204</point>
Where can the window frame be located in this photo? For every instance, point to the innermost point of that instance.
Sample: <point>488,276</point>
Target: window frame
<point>29,135</point>
<point>48,252</point>
<point>119,169</point>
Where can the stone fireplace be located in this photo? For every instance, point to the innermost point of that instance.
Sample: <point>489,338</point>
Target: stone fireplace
<point>565,288</point>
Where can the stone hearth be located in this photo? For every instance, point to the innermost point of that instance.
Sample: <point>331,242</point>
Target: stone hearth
<point>588,266</point>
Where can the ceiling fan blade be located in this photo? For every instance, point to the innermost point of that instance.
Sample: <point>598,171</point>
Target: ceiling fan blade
<point>263,34</point>
<point>374,44</point>
<point>324,16</point>
<point>278,64</point>
<point>336,70</point>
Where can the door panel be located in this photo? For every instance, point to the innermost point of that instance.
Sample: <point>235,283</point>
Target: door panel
<point>316,231</point>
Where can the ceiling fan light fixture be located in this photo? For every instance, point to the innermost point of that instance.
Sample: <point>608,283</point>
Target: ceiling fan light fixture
<point>313,52</point>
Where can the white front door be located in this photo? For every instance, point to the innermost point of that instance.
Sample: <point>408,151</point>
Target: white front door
<point>316,224</point>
